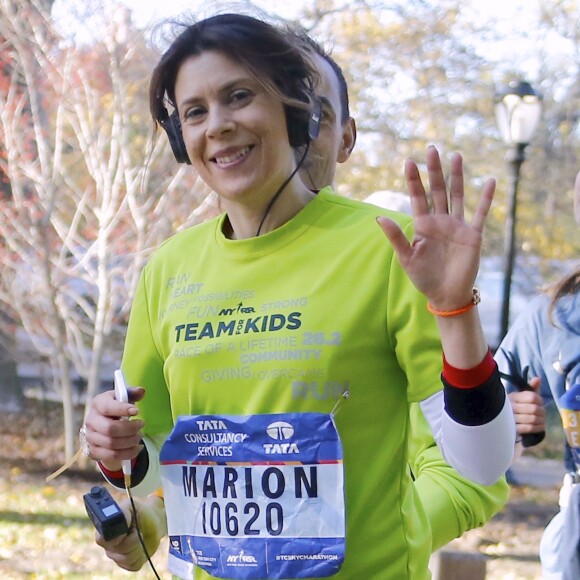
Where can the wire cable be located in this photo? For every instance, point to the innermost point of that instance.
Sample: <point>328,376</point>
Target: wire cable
<point>139,535</point>
<point>282,187</point>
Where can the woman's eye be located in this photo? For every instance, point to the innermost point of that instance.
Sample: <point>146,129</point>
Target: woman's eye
<point>240,96</point>
<point>194,113</point>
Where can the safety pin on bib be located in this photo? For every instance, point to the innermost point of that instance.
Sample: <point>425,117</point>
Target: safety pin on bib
<point>339,403</point>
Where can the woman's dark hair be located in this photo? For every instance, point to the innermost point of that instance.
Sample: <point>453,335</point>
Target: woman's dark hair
<point>267,52</point>
<point>567,286</point>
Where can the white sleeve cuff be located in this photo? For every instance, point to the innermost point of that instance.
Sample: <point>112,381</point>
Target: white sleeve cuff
<point>481,453</point>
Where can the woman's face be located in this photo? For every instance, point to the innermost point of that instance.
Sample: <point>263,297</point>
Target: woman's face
<point>234,131</point>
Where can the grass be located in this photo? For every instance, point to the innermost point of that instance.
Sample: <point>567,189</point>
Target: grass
<point>45,533</point>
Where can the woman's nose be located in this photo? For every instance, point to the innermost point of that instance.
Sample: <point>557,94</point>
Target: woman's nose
<point>219,122</point>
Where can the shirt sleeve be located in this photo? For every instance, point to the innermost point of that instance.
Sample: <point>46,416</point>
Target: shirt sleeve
<point>519,356</point>
<point>453,503</point>
<point>412,332</point>
<point>481,451</point>
<point>143,364</point>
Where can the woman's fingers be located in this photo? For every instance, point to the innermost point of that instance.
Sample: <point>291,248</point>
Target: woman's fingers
<point>483,206</point>
<point>109,433</point>
<point>452,203</point>
<point>397,238</point>
<point>105,405</point>
<point>419,203</point>
<point>437,181</point>
<point>456,187</point>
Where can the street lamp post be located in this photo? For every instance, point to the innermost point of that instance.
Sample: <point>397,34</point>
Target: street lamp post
<point>517,110</point>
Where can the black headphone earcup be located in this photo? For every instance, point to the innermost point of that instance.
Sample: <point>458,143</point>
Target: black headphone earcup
<point>172,127</point>
<point>296,125</point>
<point>304,126</point>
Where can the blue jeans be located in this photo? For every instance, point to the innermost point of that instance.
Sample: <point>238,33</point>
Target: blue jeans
<point>560,544</point>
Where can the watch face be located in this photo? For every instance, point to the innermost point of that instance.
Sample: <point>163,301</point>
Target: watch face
<point>83,441</point>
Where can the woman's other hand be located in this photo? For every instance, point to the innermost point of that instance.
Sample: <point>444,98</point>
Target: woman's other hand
<point>110,436</point>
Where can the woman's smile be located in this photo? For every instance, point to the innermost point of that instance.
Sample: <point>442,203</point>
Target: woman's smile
<point>231,156</point>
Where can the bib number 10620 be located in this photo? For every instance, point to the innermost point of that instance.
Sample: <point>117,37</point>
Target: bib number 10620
<point>217,518</point>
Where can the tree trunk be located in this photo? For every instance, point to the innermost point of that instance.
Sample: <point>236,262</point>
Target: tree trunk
<point>11,396</point>
<point>70,440</point>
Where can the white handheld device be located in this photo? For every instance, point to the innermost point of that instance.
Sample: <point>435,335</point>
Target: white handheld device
<point>122,394</point>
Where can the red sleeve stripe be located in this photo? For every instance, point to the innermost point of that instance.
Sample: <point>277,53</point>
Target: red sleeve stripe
<point>469,378</point>
<point>116,474</point>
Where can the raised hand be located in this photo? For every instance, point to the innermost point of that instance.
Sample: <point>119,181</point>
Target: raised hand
<point>443,259</point>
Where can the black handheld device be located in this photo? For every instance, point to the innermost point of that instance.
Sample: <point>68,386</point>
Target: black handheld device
<point>105,513</point>
<point>528,439</point>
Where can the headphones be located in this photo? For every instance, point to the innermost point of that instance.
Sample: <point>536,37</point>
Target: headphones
<point>172,127</point>
<point>303,127</point>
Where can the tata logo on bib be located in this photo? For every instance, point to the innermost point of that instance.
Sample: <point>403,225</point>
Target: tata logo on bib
<point>282,432</point>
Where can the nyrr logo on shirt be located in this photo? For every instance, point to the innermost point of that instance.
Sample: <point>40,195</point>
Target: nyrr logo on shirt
<point>280,430</point>
<point>239,308</point>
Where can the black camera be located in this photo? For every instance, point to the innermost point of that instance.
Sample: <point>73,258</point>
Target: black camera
<point>105,513</point>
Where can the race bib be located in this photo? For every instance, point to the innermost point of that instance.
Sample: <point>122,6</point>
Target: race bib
<point>570,412</point>
<point>257,496</point>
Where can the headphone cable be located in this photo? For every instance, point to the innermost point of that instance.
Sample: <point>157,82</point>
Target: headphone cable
<point>282,187</point>
<point>139,535</point>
